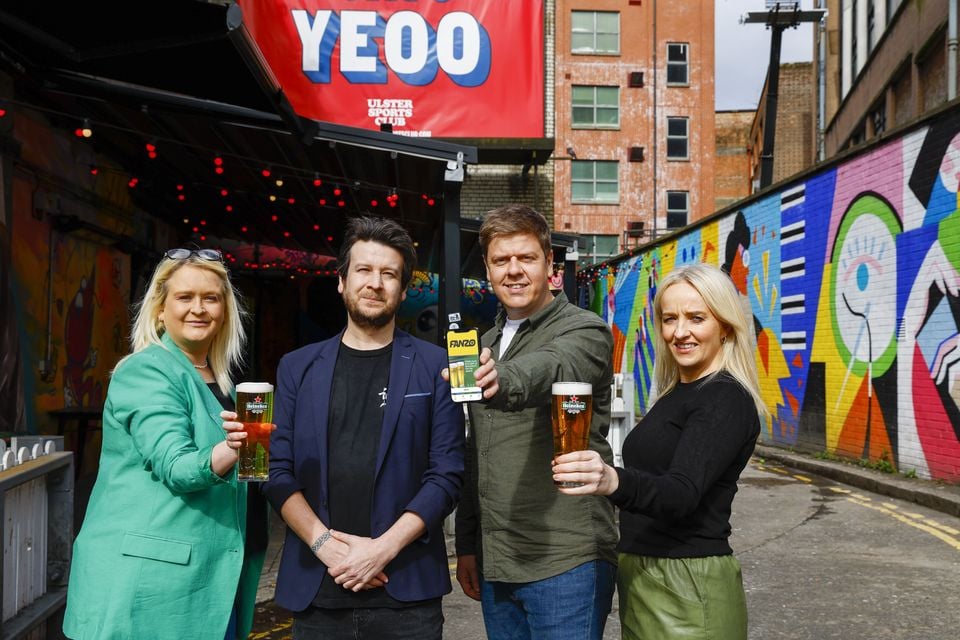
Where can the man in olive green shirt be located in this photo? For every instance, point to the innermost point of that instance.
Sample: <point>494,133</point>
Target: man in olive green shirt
<point>541,563</point>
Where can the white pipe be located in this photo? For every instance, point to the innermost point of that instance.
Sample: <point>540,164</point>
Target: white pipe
<point>952,50</point>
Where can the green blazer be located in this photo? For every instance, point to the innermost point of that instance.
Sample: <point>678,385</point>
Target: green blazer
<point>160,551</point>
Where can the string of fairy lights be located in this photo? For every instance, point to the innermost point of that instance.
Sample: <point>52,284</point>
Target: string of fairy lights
<point>588,276</point>
<point>331,193</point>
<point>282,185</point>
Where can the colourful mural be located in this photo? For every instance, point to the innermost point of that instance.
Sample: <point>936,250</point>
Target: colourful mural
<point>418,313</point>
<point>852,277</point>
<point>87,318</point>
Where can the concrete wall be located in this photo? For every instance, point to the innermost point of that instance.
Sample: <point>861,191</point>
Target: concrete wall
<point>852,275</point>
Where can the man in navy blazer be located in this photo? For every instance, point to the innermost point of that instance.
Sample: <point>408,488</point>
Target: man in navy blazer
<point>367,459</point>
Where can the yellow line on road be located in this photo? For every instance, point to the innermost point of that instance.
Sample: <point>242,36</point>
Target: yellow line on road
<point>936,533</point>
<point>839,490</point>
<point>942,527</point>
<point>263,635</point>
<point>802,478</point>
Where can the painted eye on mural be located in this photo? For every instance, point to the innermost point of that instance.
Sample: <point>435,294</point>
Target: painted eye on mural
<point>860,269</point>
<point>745,257</point>
<point>864,283</point>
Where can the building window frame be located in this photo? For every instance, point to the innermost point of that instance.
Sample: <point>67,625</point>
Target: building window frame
<point>678,204</point>
<point>678,63</point>
<point>596,104</point>
<point>591,256</point>
<point>595,182</point>
<point>588,39</point>
<point>678,142</point>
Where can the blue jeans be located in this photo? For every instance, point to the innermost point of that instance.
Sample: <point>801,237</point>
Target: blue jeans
<point>571,606</point>
<point>422,621</point>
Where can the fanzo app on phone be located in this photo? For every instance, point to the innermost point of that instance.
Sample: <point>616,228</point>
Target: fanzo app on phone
<point>463,356</point>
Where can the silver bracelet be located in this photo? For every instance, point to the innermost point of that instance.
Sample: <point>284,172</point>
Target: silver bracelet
<point>319,541</point>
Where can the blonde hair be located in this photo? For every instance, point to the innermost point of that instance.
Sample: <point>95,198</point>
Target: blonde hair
<point>721,297</point>
<point>226,350</point>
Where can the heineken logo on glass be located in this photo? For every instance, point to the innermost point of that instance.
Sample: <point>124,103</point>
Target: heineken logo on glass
<point>573,405</point>
<point>257,405</point>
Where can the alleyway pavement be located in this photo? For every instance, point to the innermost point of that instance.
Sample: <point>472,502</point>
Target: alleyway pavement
<point>463,618</point>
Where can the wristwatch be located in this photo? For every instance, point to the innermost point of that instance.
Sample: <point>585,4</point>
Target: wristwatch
<point>319,541</point>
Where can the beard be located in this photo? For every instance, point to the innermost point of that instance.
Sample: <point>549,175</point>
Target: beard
<point>373,320</point>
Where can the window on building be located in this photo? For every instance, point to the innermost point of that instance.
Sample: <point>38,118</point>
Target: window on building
<point>595,32</point>
<point>678,138</point>
<point>879,118</point>
<point>858,136</point>
<point>677,63</point>
<point>596,107</point>
<point>598,249</point>
<point>595,181</point>
<point>871,25</point>
<point>678,208</point>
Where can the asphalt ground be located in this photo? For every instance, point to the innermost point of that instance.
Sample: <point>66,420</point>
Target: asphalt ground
<point>764,523</point>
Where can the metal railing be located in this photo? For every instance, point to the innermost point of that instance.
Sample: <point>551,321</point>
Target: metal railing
<point>36,527</point>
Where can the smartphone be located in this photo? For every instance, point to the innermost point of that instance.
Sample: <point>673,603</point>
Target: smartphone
<point>463,359</point>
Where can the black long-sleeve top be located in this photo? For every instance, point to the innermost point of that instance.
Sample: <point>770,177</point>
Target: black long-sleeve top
<point>682,463</point>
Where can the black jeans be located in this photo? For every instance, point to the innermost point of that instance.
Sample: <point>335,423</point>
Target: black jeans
<point>422,621</point>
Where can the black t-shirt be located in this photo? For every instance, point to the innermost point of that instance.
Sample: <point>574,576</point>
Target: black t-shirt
<point>257,534</point>
<point>358,398</point>
<point>682,463</point>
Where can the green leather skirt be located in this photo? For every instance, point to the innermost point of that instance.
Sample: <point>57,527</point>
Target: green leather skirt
<point>681,598</point>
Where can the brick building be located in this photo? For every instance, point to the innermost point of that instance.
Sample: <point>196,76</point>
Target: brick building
<point>629,114</point>
<point>795,139</point>
<point>634,109</point>
<point>732,164</point>
<point>883,64</point>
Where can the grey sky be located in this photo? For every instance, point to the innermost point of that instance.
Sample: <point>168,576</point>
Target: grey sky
<point>743,52</point>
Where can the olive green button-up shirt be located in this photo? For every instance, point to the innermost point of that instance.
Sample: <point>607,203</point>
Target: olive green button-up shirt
<point>511,515</point>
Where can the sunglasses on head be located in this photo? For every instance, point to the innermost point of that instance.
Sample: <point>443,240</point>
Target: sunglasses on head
<point>204,254</point>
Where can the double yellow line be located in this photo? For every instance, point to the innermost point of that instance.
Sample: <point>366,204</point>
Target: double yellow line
<point>940,531</point>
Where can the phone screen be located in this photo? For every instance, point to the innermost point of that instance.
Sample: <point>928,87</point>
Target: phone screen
<point>463,359</point>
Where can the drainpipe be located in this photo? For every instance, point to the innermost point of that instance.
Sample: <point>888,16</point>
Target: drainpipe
<point>821,83</point>
<point>952,50</point>
<point>656,124</point>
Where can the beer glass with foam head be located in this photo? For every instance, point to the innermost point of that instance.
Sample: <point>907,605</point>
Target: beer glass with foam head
<point>255,411</point>
<point>572,415</point>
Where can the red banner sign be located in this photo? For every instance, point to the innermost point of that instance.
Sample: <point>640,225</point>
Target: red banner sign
<point>431,68</point>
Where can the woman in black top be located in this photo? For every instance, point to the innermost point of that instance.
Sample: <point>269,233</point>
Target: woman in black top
<point>677,576</point>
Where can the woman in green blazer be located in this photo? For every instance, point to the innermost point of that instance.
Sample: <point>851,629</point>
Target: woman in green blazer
<point>161,550</point>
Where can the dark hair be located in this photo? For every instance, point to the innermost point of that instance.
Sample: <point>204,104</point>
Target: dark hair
<point>381,230</point>
<point>511,219</point>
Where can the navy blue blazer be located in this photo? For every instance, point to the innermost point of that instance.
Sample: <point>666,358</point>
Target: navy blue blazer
<point>419,463</point>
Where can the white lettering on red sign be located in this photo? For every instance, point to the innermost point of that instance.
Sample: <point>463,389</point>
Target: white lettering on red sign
<point>412,50</point>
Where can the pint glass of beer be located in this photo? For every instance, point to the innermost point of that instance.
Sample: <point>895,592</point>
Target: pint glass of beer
<point>572,415</point>
<point>457,374</point>
<point>255,411</point>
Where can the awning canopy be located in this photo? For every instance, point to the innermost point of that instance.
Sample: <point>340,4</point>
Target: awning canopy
<point>183,113</point>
